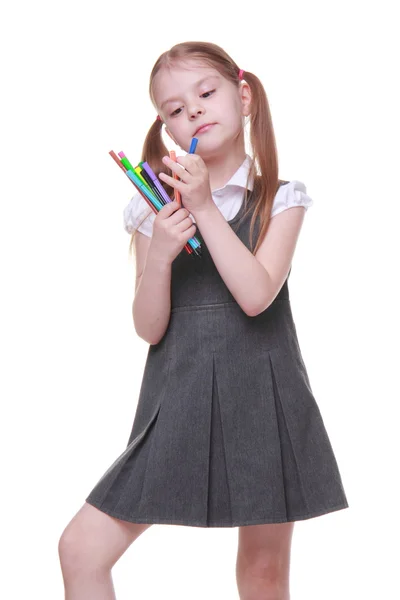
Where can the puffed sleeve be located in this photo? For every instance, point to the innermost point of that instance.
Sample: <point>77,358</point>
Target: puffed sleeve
<point>135,212</point>
<point>291,194</point>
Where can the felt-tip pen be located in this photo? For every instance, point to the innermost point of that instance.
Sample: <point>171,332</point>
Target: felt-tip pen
<point>125,161</point>
<point>193,145</point>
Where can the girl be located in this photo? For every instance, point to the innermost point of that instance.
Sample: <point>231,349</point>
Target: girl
<point>227,432</point>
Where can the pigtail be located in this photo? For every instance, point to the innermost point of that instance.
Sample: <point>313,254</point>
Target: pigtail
<point>154,149</point>
<point>265,154</point>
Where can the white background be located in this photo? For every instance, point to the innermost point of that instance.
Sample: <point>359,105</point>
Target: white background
<point>74,86</point>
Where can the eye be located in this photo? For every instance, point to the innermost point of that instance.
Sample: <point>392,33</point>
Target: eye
<point>175,113</point>
<point>207,93</point>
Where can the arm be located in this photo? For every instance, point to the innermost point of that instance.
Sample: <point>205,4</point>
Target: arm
<point>152,303</point>
<point>253,280</point>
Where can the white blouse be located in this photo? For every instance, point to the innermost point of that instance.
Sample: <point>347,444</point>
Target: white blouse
<point>228,198</point>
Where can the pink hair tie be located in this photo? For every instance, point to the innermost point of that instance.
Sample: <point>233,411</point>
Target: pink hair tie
<point>159,118</point>
<point>241,74</point>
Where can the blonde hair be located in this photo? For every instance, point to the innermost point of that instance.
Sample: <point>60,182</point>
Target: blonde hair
<point>262,137</point>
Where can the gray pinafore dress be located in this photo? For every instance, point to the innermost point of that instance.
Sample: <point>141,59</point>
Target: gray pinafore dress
<point>227,431</point>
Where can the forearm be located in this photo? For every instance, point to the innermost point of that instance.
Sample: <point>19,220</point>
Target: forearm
<point>243,274</point>
<point>152,304</point>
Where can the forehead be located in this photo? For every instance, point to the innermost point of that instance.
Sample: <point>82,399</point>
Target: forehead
<point>172,80</point>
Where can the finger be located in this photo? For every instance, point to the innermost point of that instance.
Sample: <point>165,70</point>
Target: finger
<point>170,207</point>
<point>175,168</point>
<point>192,163</point>
<point>177,185</point>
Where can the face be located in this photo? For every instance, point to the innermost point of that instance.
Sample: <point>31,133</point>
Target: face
<point>192,95</point>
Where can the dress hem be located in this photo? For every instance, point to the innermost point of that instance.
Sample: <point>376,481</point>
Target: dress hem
<point>173,521</point>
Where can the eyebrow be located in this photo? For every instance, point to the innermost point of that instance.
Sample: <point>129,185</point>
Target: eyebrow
<point>197,84</point>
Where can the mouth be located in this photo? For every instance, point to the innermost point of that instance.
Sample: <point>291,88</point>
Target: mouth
<point>204,128</point>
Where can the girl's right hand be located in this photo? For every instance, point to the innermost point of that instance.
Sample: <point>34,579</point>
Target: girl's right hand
<point>172,228</point>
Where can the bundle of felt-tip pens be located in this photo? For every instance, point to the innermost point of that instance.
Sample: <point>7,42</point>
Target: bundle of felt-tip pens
<point>150,187</point>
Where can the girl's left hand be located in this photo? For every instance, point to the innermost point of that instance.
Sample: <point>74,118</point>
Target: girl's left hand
<point>195,182</point>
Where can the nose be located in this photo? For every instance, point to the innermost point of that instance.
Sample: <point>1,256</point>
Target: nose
<point>195,112</point>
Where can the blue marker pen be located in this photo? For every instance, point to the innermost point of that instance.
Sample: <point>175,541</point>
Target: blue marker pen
<point>193,145</point>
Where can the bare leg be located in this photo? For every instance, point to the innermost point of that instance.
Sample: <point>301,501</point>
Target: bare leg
<point>89,546</point>
<point>263,561</point>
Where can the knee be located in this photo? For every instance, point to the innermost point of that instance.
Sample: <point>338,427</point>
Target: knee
<point>267,570</point>
<point>72,551</point>
<point>262,578</point>
<point>261,565</point>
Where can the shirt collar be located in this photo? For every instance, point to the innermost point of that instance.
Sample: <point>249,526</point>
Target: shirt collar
<point>239,179</point>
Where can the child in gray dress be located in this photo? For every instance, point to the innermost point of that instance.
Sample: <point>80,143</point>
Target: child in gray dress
<point>227,432</point>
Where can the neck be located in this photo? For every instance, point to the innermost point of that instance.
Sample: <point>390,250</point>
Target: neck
<point>223,166</point>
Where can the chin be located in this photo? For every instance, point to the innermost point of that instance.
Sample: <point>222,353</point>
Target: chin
<point>211,147</point>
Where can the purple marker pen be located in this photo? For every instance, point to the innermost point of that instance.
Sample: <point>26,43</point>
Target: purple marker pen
<point>157,183</point>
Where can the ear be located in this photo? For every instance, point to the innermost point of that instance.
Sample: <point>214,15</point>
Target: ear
<point>171,136</point>
<point>245,97</point>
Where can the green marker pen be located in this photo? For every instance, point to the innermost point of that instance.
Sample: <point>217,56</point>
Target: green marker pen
<point>125,161</point>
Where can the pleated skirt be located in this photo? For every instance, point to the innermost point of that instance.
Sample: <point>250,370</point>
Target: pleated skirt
<point>227,431</point>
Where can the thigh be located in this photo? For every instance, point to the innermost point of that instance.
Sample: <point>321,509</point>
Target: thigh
<point>94,537</point>
<point>265,546</point>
